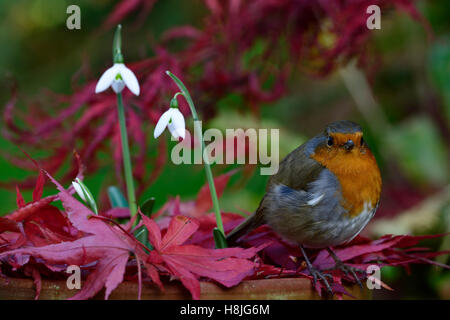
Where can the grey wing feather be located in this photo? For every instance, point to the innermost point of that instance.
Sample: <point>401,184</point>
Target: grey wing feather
<point>297,169</point>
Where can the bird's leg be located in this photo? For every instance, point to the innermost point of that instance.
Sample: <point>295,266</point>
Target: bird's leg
<point>316,273</point>
<point>345,268</point>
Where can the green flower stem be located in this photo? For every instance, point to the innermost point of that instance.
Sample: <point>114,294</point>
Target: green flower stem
<point>126,158</point>
<point>206,161</point>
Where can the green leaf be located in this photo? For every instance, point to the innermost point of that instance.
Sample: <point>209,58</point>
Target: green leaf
<point>147,206</point>
<point>142,236</point>
<point>219,239</point>
<point>116,198</point>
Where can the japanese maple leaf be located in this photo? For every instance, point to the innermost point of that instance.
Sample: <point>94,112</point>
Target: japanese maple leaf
<point>203,203</point>
<point>37,221</point>
<point>368,250</point>
<point>25,210</point>
<point>106,246</point>
<point>190,262</point>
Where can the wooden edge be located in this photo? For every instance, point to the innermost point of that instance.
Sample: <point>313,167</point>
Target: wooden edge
<point>264,289</point>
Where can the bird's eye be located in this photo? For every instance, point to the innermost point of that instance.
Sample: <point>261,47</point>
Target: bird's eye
<point>330,141</point>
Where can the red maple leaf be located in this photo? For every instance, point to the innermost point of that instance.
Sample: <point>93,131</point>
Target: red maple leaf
<point>37,221</point>
<point>106,246</point>
<point>203,202</point>
<point>190,262</point>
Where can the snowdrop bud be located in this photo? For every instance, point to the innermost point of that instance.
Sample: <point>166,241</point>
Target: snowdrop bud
<point>85,194</point>
<point>79,190</point>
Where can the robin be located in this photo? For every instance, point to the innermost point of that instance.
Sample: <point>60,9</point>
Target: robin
<point>324,194</point>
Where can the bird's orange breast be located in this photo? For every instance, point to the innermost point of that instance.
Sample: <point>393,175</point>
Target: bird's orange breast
<point>358,174</point>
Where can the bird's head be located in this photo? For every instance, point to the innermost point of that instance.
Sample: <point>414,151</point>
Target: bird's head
<point>342,150</point>
<point>344,137</point>
<point>341,140</point>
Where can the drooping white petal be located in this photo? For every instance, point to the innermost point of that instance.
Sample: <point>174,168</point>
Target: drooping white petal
<point>163,122</point>
<point>177,128</point>
<point>176,132</point>
<point>173,131</point>
<point>78,190</point>
<point>129,78</point>
<point>181,132</point>
<point>106,79</point>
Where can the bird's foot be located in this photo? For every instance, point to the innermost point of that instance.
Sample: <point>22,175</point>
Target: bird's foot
<point>316,274</point>
<point>350,270</point>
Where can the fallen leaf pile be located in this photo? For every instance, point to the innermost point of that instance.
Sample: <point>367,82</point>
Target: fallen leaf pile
<point>41,241</point>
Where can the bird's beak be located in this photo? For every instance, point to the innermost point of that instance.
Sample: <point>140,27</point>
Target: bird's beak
<point>349,145</point>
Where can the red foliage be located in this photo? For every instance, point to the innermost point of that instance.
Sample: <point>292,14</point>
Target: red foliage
<point>104,250</point>
<point>37,223</point>
<point>103,245</point>
<point>244,47</point>
<point>179,251</point>
<point>182,248</point>
<point>227,266</point>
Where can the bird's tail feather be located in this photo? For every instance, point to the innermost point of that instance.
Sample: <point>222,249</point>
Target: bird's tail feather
<point>245,227</point>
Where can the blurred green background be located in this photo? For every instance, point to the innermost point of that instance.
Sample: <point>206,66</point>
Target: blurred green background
<point>407,125</point>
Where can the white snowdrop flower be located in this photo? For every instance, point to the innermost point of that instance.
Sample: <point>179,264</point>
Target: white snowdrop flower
<point>117,77</point>
<point>173,119</point>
